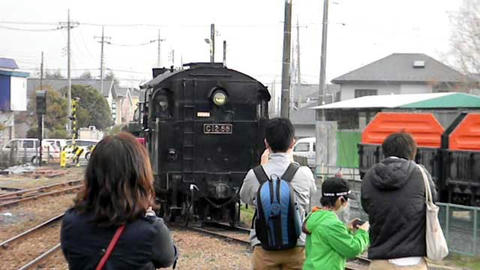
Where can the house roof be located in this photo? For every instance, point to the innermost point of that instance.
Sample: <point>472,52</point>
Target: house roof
<point>399,67</point>
<point>418,101</point>
<point>108,85</point>
<point>8,63</point>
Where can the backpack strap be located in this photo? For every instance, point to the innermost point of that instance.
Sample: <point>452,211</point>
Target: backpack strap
<point>261,175</point>
<point>290,172</point>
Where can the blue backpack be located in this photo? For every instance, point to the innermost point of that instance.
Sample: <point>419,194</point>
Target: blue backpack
<point>277,221</point>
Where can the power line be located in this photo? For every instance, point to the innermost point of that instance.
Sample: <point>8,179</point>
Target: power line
<point>29,30</point>
<point>133,45</point>
<point>29,23</point>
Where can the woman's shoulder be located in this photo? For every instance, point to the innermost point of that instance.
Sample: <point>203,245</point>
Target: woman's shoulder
<point>152,223</point>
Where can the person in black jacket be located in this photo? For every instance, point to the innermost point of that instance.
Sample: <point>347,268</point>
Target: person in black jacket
<point>118,190</point>
<point>393,195</point>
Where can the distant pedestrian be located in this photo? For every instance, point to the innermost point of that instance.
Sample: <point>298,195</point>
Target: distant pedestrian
<point>116,204</point>
<point>279,141</point>
<point>329,242</point>
<point>393,195</point>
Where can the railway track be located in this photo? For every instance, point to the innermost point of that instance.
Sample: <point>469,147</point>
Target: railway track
<point>358,263</point>
<point>224,231</point>
<point>13,198</point>
<point>31,238</point>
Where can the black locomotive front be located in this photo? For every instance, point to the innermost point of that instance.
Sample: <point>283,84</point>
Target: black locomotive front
<point>205,130</point>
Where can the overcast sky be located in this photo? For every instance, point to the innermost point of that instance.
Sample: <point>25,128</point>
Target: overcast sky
<point>359,32</point>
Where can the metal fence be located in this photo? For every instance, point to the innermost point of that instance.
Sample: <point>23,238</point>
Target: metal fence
<point>460,226</point>
<point>460,223</point>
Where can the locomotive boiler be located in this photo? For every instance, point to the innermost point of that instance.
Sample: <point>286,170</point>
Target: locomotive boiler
<point>204,128</point>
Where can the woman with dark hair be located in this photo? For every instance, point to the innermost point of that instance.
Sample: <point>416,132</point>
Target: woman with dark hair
<point>393,195</point>
<point>114,211</point>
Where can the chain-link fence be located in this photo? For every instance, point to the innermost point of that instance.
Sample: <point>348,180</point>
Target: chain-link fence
<point>460,226</point>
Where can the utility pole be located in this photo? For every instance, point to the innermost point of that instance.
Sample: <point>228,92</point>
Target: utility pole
<point>224,53</point>
<point>69,74</point>
<point>159,40</point>
<point>103,40</point>
<point>299,77</point>
<point>323,57</point>
<point>173,58</point>
<point>41,73</point>
<point>69,25</point>
<point>212,43</point>
<point>287,27</point>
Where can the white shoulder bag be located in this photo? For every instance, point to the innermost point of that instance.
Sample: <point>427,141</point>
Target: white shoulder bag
<point>437,248</point>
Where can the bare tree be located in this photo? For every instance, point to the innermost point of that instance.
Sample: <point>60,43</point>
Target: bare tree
<point>465,37</point>
<point>86,75</point>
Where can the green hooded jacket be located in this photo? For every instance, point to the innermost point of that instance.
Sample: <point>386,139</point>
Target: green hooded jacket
<point>330,243</point>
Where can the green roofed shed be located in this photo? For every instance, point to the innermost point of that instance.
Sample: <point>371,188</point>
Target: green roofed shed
<point>450,100</point>
<point>454,100</point>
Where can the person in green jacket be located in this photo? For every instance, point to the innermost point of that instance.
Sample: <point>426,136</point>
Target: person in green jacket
<point>329,242</point>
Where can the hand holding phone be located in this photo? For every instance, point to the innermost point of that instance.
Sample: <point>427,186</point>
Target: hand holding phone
<point>357,223</point>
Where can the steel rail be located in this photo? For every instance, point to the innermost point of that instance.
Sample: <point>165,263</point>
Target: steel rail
<point>5,243</point>
<point>40,258</point>
<point>219,235</point>
<point>57,192</point>
<point>6,196</point>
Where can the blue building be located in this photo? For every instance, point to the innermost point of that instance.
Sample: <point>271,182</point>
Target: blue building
<point>13,96</point>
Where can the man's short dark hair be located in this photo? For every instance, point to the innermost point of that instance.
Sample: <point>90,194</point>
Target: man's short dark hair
<point>328,201</point>
<point>279,134</point>
<point>400,145</point>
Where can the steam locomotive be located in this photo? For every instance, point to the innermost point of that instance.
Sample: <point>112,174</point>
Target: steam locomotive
<point>204,129</point>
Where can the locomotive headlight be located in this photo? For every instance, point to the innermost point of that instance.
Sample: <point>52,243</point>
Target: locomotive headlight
<point>219,98</point>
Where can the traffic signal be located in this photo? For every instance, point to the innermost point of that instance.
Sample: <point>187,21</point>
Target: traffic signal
<point>41,101</point>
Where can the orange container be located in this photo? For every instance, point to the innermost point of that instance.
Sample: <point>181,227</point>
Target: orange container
<point>424,128</point>
<point>466,136</point>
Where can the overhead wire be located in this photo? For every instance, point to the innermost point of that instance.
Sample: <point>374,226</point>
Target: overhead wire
<point>133,45</point>
<point>29,30</point>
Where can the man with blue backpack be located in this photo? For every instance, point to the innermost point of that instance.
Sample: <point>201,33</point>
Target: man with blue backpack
<point>280,190</point>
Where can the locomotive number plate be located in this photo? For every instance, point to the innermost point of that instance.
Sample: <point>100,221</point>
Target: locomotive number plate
<point>217,128</point>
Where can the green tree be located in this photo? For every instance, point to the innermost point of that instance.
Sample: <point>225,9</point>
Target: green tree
<point>55,119</point>
<point>56,75</point>
<point>86,75</point>
<point>93,109</point>
<point>110,76</point>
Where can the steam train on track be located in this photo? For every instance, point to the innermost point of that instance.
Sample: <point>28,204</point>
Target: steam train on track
<point>204,129</point>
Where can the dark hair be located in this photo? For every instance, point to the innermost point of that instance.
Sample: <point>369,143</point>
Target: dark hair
<point>328,201</point>
<point>118,181</point>
<point>279,134</point>
<point>400,145</point>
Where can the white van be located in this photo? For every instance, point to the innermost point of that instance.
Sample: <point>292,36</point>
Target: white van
<point>28,150</point>
<point>306,148</point>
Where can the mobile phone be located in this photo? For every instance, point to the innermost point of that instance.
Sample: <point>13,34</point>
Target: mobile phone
<point>357,223</point>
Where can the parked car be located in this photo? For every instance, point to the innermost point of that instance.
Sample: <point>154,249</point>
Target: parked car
<point>87,146</point>
<point>28,150</point>
<point>305,147</point>
<point>58,143</point>
<point>83,143</point>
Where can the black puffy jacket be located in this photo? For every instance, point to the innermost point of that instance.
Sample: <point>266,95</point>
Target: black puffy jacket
<point>393,195</point>
<point>145,243</point>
